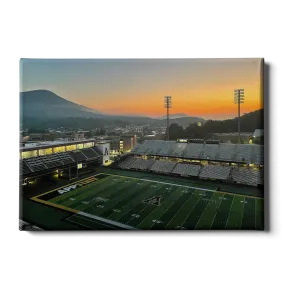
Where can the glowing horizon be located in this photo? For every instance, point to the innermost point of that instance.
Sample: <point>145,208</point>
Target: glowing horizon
<point>199,87</point>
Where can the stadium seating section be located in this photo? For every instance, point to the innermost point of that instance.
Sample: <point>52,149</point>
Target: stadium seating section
<point>142,164</point>
<point>258,153</point>
<point>78,155</point>
<point>194,150</point>
<point>226,151</point>
<point>185,169</point>
<point>215,172</point>
<point>89,153</point>
<point>125,164</point>
<point>163,166</point>
<point>41,163</point>
<point>243,175</point>
<point>243,153</point>
<point>246,153</point>
<point>142,158</point>
<point>247,176</point>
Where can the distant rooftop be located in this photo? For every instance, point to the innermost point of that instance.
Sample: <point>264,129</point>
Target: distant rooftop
<point>258,133</point>
<point>102,141</point>
<point>42,144</point>
<point>232,134</point>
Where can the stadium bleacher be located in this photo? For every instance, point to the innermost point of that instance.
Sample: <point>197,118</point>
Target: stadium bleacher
<point>97,150</point>
<point>210,151</point>
<point>136,148</point>
<point>226,151</point>
<point>247,176</point>
<point>125,164</point>
<point>244,153</point>
<point>89,153</point>
<point>185,169</point>
<point>45,162</point>
<point>194,150</point>
<point>215,172</point>
<point>142,164</point>
<point>166,148</point>
<point>65,157</point>
<point>24,168</point>
<point>153,149</point>
<point>179,149</point>
<point>163,166</point>
<point>238,153</point>
<point>78,155</point>
<point>258,154</point>
<point>52,160</point>
<point>36,163</point>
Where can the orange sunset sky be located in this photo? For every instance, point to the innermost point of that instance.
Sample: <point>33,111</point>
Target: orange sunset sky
<point>199,87</point>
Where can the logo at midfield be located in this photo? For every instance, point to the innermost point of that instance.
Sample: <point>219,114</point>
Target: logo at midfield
<point>155,200</point>
<point>106,151</point>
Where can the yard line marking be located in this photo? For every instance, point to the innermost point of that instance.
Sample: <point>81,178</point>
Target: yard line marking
<point>139,212</point>
<point>205,210</point>
<point>242,212</point>
<point>255,214</point>
<point>157,190</point>
<point>182,224</point>
<point>178,210</point>
<point>229,213</point>
<point>190,187</point>
<point>167,208</point>
<point>121,194</point>
<point>131,209</point>
<point>107,221</point>
<point>125,176</point>
<point>217,211</point>
<point>109,189</point>
<point>167,183</point>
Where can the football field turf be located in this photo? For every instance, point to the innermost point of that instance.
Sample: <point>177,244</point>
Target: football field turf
<point>108,201</point>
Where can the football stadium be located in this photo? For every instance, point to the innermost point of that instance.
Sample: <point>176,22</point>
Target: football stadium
<point>159,185</point>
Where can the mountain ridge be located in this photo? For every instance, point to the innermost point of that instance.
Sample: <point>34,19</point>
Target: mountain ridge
<point>174,116</point>
<point>36,102</point>
<point>43,103</point>
<point>45,108</point>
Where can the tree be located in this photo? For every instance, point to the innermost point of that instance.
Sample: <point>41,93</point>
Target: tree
<point>175,132</point>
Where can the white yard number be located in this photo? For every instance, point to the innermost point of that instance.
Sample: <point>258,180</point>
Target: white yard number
<point>100,199</point>
<point>180,228</point>
<point>157,221</point>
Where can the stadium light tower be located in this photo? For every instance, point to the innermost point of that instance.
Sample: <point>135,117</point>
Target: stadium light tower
<point>167,105</point>
<point>239,99</point>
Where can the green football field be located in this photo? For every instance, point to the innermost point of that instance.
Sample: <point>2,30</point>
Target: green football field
<point>108,201</point>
